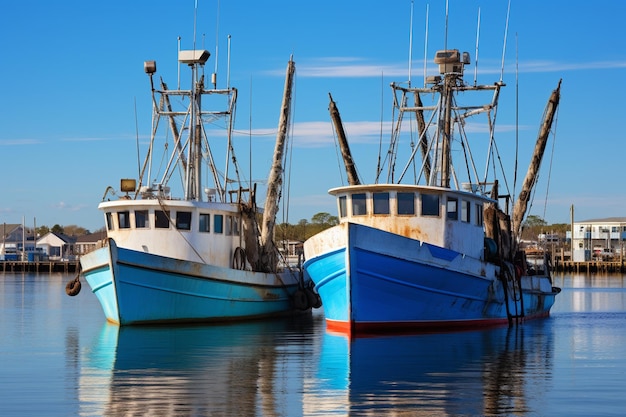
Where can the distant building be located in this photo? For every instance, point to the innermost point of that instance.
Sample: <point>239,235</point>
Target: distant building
<point>15,242</point>
<point>598,238</point>
<point>87,243</point>
<point>57,246</point>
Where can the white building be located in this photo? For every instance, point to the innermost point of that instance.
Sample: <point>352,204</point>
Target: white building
<point>598,238</point>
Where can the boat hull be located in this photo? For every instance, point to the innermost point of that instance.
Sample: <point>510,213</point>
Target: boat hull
<point>371,281</point>
<point>135,287</point>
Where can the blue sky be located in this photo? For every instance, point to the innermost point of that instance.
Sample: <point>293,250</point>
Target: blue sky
<point>72,74</point>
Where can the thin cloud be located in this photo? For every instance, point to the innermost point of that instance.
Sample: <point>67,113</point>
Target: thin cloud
<point>357,68</point>
<point>61,205</point>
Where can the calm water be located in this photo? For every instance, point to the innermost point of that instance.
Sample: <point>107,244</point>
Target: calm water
<point>58,357</point>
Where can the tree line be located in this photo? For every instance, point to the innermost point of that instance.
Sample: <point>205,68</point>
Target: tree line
<point>304,229</point>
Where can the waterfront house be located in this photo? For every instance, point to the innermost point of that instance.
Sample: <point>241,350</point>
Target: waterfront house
<point>57,246</point>
<point>92,241</point>
<point>598,239</point>
<point>16,240</point>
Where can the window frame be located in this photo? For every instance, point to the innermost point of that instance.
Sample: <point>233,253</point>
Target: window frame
<point>359,204</point>
<point>427,209</point>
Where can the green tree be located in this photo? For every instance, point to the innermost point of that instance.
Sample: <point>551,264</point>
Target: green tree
<point>534,221</point>
<point>324,219</point>
<point>57,229</point>
<point>42,230</point>
<point>74,230</point>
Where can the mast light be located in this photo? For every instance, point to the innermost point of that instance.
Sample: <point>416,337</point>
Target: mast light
<point>149,67</point>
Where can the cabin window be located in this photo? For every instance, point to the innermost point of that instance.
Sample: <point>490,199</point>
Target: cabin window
<point>235,226</point>
<point>453,209</point>
<point>343,206</point>
<point>183,220</point>
<point>123,219</point>
<point>406,203</point>
<point>109,219</point>
<point>205,222</point>
<point>359,204</point>
<point>229,225</point>
<point>218,223</point>
<point>381,203</point>
<point>465,211</point>
<point>430,205</point>
<point>141,219</point>
<point>161,219</point>
<point>479,214</point>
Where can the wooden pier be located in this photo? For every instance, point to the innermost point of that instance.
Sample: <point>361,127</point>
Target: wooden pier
<point>39,266</point>
<point>589,266</point>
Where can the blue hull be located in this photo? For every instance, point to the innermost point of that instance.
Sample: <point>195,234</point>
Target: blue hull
<point>135,287</point>
<point>367,285</point>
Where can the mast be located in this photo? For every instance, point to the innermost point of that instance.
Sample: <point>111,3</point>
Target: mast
<point>531,175</point>
<point>449,82</point>
<point>275,178</point>
<point>353,177</point>
<point>195,58</point>
<point>421,130</point>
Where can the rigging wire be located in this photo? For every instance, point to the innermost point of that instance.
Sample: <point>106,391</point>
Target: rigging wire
<point>516,122</point>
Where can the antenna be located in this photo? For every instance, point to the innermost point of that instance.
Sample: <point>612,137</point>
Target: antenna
<point>426,46</point>
<point>217,25</point>
<point>506,30</point>
<point>445,43</point>
<point>410,42</point>
<point>195,16</point>
<point>137,140</point>
<point>228,66</point>
<point>477,37</point>
<point>178,54</point>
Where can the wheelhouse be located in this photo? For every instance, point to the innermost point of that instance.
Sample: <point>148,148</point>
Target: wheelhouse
<point>432,214</point>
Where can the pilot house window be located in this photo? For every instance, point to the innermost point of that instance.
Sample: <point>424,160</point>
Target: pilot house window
<point>358,204</point>
<point>205,222</point>
<point>109,219</point>
<point>453,209</point>
<point>381,203</point>
<point>161,219</point>
<point>406,203</point>
<point>343,208</point>
<point>123,219</point>
<point>141,219</point>
<point>465,211</point>
<point>183,220</point>
<point>218,223</point>
<point>430,205</point>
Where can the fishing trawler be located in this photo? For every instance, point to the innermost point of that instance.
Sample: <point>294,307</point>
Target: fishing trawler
<point>207,253</point>
<point>439,253</point>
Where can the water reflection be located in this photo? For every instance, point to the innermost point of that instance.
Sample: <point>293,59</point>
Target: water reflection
<point>492,372</point>
<point>294,368</point>
<point>196,370</point>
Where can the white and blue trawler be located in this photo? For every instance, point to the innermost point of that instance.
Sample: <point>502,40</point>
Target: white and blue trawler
<point>438,252</point>
<point>207,254</point>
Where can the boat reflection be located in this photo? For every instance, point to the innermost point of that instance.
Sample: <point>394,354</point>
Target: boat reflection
<point>236,369</point>
<point>469,373</point>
